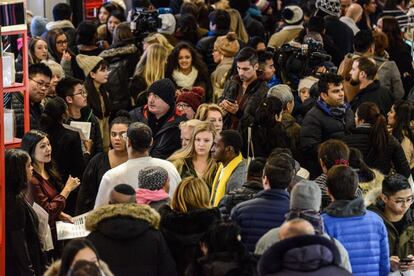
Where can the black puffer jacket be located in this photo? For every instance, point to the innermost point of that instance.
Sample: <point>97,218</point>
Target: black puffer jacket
<point>393,155</point>
<point>127,239</point>
<point>122,60</point>
<point>167,139</point>
<point>183,231</point>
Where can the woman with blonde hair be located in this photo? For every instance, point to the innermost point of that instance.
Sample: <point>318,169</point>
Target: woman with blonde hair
<point>150,68</point>
<point>211,113</point>
<point>157,38</point>
<point>57,75</point>
<point>195,158</point>
<point>186,219</point>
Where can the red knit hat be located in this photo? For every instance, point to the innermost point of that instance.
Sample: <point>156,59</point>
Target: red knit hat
<point>192,97</point>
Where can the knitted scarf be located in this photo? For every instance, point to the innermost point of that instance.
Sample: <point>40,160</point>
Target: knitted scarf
<point>145,196</point>
<point>185,80</point>
<point>219,187</point>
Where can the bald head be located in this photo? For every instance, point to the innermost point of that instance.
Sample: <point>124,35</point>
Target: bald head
<point>294,228</point>
<point>354,12</point>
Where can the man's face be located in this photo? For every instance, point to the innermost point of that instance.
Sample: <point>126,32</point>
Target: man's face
<point>398,203</point>
<point>371,7</point>
<point>247,71</point>
<point>335,95</point>
<point>78,98</point>
<point>268,69</point>
<point>39,84</point>
<point>344,6</point>
<point>218,149</point>
<point>355,74</point>
<point>156,105</point>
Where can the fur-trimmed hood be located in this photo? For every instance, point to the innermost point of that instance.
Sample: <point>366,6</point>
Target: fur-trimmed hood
<point>60,24</point>
<point>372,197</point>
<point>129,211</point>
<point>128,49</point>
<point>54,269</point>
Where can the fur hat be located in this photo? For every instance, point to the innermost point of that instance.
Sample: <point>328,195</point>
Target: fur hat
<point>292,15</point>
<point>168,23</point>
<point>38,25</point>
<point>152,178</point>
<point>192,97</point>
<point>87,63</point>
<point>306,195</point>
<point>228,44</point>
<point>331,7</point>
<point>307,82</point>
<point>165,89</point>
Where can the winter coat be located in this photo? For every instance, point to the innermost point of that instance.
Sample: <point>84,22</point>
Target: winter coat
<point>187,169</point>
<point>285,35</point>
<point>292,129</point>
<point>223,264</point>
<point>249,189</point>
<point>167,139</point>
<point>247,101</point>
<point>183,231</point>
<point>122,61</point>
<point>128,240</point>
<point>253,26</point>
<point>363,235</point>
<point>375,93</point>
<point>393,156</point>
<point>17,105</point>
<point>54,269</point>
<point>341,34</point>
<point>320,124</point>
<point>367,186</point>
<point>257,216</point>
<point>401,54</point>
<point>218,77</point>
<point>302,255</point>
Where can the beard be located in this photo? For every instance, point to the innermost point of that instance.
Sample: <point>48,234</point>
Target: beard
<point>354,82</point>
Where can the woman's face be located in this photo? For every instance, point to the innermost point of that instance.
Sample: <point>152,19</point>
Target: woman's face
<point>40,50</point>
<point>53,82</point>
<point>103,15</point>
<point>216,119</point>
<point>112,23</point>
<point>304,94</point>
<point>391,117</point>
<point>61,43</point>
<point>203,142</point>
<point>86,254</point>
<point>217,56</point>
<point>117,141</point>
<point>185,60</point>
<point>186,109</point>
<point>379,25</point>
<point>29,169</point>
<point>101,75</point>
<point>43,151</point>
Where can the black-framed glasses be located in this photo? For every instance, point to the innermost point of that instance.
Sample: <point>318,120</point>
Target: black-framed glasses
<point>83,93</point>
<point>41,83</point>
<point>61,42</point>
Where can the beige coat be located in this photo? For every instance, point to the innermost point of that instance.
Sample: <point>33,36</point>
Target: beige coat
<point>218,77</point>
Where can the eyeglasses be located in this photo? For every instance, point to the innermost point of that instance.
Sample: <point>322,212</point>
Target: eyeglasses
<point>61,42</point>
<point>407,201</point>
<point>183,106</point>
<point>83,93</point>
<point>41,84</point>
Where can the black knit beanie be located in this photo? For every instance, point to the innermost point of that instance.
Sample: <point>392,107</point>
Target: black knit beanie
<point>165,89</point>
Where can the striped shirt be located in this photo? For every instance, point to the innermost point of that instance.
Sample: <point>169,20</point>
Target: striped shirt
<point>404,20</point>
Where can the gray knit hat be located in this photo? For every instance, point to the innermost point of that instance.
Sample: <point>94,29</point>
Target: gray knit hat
<point>152,178</point>
<point>306,195</point>
<point>331,7</point>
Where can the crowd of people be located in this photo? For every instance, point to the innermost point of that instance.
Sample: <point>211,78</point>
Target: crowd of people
<point>242,137</point>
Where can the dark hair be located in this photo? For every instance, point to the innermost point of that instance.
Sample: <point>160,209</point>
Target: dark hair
<point>363,40</point>
<point>247,54</point>
<point>265,113</point>
<point>109,7</point>
<point>86,33</point>
<point>122,117</point>
<point>51,38</point>
<point>232,138</point>
<point>140,136</point>
<point>39,68</point>
<point>392,29</point>
<point>378,137</point>
<point>221,19</point>
<point>71,249</point>
<point>29,141</point>
<point>403,117</point>
<point>141,4</point>
<point>61,11</point>
<point>124,189</point>
<point>223,237</point>
<point>188,8</point>
<point>394,183</point>
<point>316,24</point>
<point>256,167</point>
<point>93,94</point>
<point>368,66</point>
<point>188,27</point>
<point>392,4</point>
<point>342,182</point>
<point>356,161</point>
<point>326,79</point>
<point>263,56</point>
<point>333,152</point>
<point>15,174</point>
<point>120,15</point>
<point>197,61</point>
<point>66,87</point>
<point>279,170</point>
<point>52,116</point>
<point>84,268</point>
<point>254,41</point>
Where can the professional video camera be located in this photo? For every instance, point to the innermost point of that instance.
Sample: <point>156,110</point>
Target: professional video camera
<point>296,60</point>
<point>144,22</point>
